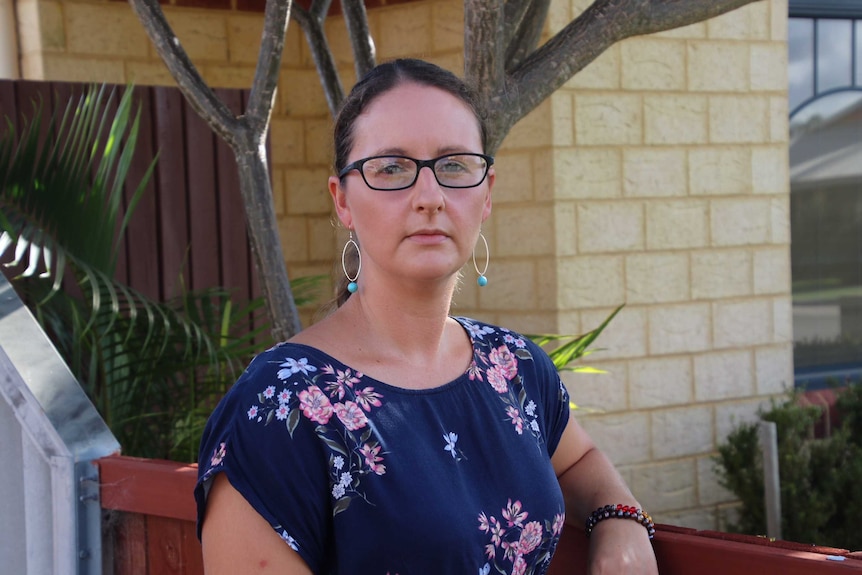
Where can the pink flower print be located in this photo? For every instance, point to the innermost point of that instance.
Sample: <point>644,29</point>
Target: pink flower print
<point>347,377</point>
<point>502,358</point>
<point>368,398</point>
<point>483,522</point>
<point>218,455</point>
<point>351,415</point>
<point>315,405</point>
<point>557,526</point>
<point>513,515</point>
<point>531,537</point>
<point>498,379</point>
<point>490,550</point>
<point>497,531</point>
<point>519,567</point>
<point>282,412</point>
<point>335,388</point>
<point>269,392</point>
<point>372,460</point>
<point>252,412</point>
<point>474,372</point>
<point>284,396</point>
<point>517,421</point>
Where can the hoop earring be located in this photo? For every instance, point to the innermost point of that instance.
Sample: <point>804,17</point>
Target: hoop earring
<point>351,287</point>
<point>482,280</point>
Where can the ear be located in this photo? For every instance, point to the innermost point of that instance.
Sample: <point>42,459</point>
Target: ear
<point>491,178</point>
<point>339,199</point>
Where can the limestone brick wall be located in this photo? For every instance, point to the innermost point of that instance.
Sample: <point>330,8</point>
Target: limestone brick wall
<point>670,183</point>
<point>657,177</point>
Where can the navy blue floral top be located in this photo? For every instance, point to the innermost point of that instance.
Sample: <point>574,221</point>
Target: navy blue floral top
<point>359,476</point>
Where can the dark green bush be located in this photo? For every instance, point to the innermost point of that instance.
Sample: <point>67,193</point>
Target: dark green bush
<point>821,478</point>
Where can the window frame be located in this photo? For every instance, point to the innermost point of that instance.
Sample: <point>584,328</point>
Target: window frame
<point>825,9</point>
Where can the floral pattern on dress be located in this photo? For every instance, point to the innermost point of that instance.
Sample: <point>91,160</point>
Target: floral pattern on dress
<point>451,440</point>
<point>338,403</point>
<point>498,366</point>
<point>519,546</point>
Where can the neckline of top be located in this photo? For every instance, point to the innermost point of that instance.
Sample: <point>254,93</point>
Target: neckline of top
<point>395,388</point>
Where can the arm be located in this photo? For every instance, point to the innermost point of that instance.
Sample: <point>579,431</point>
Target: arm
<point>588,481</point>
<point>236,539</point>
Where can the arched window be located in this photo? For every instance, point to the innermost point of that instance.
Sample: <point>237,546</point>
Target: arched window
<point>825,96</point>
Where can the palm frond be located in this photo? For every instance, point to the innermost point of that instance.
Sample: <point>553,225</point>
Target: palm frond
<point>145,364</point>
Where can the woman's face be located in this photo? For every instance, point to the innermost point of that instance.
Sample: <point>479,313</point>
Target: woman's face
<point>425,232</point>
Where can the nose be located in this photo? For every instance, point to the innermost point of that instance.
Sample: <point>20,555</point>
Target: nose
<point>427,192</point>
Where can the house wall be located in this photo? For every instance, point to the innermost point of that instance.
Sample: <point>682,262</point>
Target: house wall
<point>656,177</point>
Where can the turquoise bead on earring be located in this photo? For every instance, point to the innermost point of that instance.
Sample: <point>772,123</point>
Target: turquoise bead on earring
<point>352,287</point>
<point>481,280</point>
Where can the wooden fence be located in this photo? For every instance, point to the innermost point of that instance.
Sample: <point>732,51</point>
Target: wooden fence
<point>190,222</point>
<point>151,531</point>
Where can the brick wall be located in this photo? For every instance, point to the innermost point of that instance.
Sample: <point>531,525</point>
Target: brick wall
<point>670,182</point>
<point>657,177</point>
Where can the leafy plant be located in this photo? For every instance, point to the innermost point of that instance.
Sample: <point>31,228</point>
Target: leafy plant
<point>821,478</point>
<point>153,369</point>
<point>566,350</point>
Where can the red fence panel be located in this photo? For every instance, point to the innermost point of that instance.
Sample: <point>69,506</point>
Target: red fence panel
<point>159,495</point>
<point>190,221</point>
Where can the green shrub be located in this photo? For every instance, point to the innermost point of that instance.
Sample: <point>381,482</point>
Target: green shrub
<point>821,478</point>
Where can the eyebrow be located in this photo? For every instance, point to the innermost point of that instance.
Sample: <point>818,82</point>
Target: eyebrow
<point>440,151</point>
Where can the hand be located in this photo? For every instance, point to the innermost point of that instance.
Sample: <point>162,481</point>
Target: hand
<point>621,547</point>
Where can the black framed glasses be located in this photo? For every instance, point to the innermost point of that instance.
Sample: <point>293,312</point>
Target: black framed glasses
<point>390,173</point>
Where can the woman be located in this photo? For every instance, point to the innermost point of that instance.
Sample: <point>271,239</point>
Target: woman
<point>390,437</point>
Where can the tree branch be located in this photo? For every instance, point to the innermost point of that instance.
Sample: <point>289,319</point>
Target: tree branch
<point>196,91</point>
<point>484,49</point>
<point>312,27</point>
<point>266,75</point>
<point>319,9</point>
<point>525,37</point>
<point>356,19</point>
<point>513,15</point>
<point>603,24</point>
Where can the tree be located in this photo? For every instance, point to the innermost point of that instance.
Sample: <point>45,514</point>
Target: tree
<point>502,57</point>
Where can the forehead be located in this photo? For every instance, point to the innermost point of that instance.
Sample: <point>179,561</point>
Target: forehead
<point>416,119</point>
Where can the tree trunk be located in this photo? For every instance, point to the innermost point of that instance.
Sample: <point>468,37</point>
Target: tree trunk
<point>531,76</point>
<point>263,230</point>
<point>246,136</point>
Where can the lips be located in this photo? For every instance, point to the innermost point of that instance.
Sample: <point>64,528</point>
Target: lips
<point>433,232</point>
<point>430,236</point>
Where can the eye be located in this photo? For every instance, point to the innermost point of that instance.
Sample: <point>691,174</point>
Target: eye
<point>388,166</point>
<point>455,165</point>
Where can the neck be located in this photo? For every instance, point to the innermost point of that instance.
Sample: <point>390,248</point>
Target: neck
<point>404,320</point>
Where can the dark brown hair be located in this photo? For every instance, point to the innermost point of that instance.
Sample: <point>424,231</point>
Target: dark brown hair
<point>377,82</point>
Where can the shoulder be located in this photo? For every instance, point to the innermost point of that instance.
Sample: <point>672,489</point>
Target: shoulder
<point>273,376</point>
<point>494,336</point>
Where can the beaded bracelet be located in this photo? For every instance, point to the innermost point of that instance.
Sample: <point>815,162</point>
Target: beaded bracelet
<point>620,510</point>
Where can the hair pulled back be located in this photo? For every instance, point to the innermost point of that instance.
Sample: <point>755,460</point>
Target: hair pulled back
<point>378,81</point>
<point>387,76</point>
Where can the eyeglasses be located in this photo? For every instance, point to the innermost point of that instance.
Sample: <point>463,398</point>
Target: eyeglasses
<point>390,173</point>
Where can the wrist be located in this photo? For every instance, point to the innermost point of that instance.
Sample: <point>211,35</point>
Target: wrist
<point>620,511</point>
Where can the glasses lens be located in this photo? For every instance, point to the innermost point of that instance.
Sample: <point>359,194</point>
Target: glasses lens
<point>389,173</point>
<point>460,170</point>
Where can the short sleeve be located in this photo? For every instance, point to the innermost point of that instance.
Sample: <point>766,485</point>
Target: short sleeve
<point>271,457</point>
<point>553,396</point>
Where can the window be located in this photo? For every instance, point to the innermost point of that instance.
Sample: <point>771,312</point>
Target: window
<point>825,95</point>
